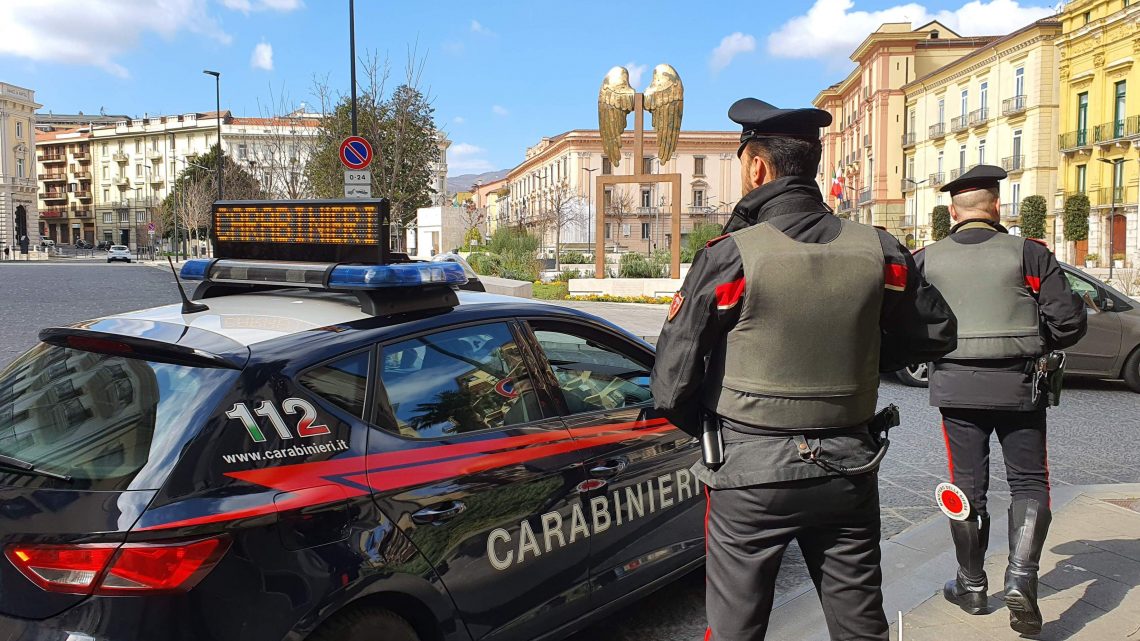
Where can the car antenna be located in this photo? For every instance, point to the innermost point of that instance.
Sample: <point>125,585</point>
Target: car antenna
<point>188,306</point>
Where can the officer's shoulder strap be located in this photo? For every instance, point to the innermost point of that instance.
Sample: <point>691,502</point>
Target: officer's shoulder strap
<point>717,240</point>
<point>1039,242</point>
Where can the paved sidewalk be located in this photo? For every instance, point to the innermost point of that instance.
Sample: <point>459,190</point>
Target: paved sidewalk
<point>1090,573</point>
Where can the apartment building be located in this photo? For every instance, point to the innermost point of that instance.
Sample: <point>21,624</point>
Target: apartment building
<point>862,143</point>
<point>136,162</point>
<point>66,199</point>
<point>1100,124</point>
<point>997,106</point>
<point>19,211</point>
<point>559,172</point>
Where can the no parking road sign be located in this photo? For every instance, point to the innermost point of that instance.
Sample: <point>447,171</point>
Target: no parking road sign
<point>355,152</point>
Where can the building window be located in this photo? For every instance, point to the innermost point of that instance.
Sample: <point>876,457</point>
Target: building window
<point>646,198</point>
<point>1119,109</point>
<point>698,165</point>
<point>1082,118</point>
<point>140,216</point>
<point>608,230</point>
<point>965,101</point>
<point>105,152</point>
<point>241,152</point>
<point>698,198</point>
<point>645,231</point>
<point>941,110</point>
<point>625,230</point>
<point>106,196</point>
<point>607,166</point>
<point>1117,181</point>
<point>1015,200</point>
<point>124,217</point>
<point>19,128</point>
<point>1082,174</point>
<point>1019,81</point>
<point>108,218</point>
<point>909,167</point>
<point>138,170</point>
<point>982,151</point>
<point>647,165</point>
<point>138,145</point>
<point>608,198</point>
<point>1087,16</point>
<point>962,158</point>
<point>1017,149</point>
<point>20,166</point>
<point>941,158</point>
<point>984,94</point>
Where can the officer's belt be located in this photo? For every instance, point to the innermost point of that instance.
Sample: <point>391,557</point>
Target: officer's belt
<point>737,433</point>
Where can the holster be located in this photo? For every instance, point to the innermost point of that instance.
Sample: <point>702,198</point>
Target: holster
<point>879,427</point>
<point>712,441</point>
<point>1049,378</point>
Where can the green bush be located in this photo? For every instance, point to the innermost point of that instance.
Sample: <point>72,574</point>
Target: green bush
<point>1033,211</point>
<point>486,264</point>
<point>940,222</point>
<point>566,274</point>
<point>697,239</point>
<point>1076,217</point>
<point>514,241</point>
<point>472,234</point>
<point>635,265</point>
<point>575,258</point>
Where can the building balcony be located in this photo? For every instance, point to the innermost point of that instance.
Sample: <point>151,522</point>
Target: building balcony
<point>979,117</point>
<point>54,177</point>
<point>906,222</point>
<point>155,155</point>
<point>646,211</point>
<point>959,124</point>
<point>865,197</point>
<point>1014,106</point>
<point>79,212</point>
<point>1112,196</point>
<point>52,213</point>
<point>120,156</point>
<point>156,180</point>
<point>52,158</point>
<point>1011,211</point>
<point>83,194</point>
<point>1075,141</point>
<point>700,210</point>
<point>937,131</point>
<point>1115,132</point>
<point>845,206</point>
<point>1013,164</point>
<point>956,173</point>
<point>122,181</point>
<point>937,179</point>
<point>81,156</point>
<point>908,140</point>
<point>1132,127</point>
<point>54,196</point>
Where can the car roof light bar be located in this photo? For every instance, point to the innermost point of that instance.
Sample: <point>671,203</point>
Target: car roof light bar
<point>324,275</point>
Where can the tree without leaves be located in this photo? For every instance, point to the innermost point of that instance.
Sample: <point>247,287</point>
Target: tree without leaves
<point>1032,216</point>
<point>563,207</point>
<point>621,207</point>
<point>195,190</point>
<point>279,150</point>
<point>940,222</point>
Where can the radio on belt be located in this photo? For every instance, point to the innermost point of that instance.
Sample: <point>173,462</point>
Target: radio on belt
<point>333,245</point>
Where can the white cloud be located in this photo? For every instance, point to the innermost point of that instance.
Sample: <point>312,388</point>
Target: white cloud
<point>262,57</point>
<point>245,6</point>
<point>459,120</point>
<point>453,47</point>
<point>831,30</point>
<point>464,158</point>
<point>731,46</point>
<point>97,32</point>
<point>477,27</point>
<point>500,110</point>
<point>636,72</point>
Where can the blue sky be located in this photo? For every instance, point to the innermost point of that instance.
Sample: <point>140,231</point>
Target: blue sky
<point>501,74</point>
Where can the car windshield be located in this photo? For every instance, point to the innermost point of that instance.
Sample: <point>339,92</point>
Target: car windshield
<point>107,421</point>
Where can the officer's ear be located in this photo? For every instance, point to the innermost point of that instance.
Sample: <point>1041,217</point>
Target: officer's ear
<point>953,212</point>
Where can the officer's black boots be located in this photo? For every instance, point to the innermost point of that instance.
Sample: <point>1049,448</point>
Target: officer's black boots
<point>968,589</point>
<point>1028,525</point>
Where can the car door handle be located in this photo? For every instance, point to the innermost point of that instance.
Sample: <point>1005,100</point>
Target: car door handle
<point>607,469</point>
<point>439,513</point>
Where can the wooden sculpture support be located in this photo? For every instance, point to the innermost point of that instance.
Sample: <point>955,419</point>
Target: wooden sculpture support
<point>638,178</point>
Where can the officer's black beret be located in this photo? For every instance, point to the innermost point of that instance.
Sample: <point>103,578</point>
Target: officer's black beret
<point>761,120</point>
<point>980,177</point>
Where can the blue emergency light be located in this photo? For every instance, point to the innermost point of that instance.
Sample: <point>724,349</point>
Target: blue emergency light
<point>324,275</point>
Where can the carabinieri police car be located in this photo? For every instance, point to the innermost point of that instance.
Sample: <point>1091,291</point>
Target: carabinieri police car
<point>338,450</point>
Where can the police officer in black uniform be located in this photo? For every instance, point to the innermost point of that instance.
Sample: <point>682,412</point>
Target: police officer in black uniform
<point>779,333</point>
<point>1013,305</point>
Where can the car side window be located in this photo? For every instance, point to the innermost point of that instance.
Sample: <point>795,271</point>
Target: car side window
<point>592,374</point>
<point>1082,287</point>
<point>455,382</point>
<point>343,382</point>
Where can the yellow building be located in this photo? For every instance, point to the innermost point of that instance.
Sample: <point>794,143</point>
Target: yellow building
<point>1100,121</point>
<point>996,106</point>
<point>18,167</point>
<point>488,197</point>
<point>863,141</point>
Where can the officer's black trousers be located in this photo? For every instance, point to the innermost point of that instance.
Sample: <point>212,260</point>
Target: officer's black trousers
<point>835,520</point>
<point>1022,438</point>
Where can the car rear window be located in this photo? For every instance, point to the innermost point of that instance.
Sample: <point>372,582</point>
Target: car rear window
<point>118,247</point>
<point>108,421</point>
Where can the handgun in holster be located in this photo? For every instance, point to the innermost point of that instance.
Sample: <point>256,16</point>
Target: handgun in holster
<point>879,428</point>
<point>712,441</point>
<point>1049,378</point>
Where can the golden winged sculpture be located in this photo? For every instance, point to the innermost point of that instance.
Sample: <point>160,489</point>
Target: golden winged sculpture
<point>664,99</point>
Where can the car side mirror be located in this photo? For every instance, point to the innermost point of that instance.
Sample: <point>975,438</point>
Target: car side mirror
<point>1108,305</point>
<point>1089,301</point>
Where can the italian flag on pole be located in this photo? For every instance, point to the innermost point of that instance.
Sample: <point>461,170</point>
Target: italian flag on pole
<point>837,185</point>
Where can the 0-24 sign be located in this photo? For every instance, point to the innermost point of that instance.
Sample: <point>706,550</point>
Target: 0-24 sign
<point>305,425</point>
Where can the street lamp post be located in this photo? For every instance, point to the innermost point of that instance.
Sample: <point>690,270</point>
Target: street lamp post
<point>589,204</point>
<point>914,222</point>
<point>218,105</point>
<point>1115,162</point>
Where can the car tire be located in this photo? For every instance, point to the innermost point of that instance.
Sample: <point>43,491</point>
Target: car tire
<point>108,261</point>
<point>1132,371</point>
<point>914,375</point>
<point>365,624</point>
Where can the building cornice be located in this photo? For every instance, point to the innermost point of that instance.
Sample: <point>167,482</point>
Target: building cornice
<point>970,64</point>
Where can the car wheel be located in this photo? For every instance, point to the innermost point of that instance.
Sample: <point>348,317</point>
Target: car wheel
<point>108,261</point>
<point>365,624</point>
<point>914,375</point>
<point>1132,370</point>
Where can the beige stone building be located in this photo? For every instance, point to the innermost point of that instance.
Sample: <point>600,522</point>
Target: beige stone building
<point>1100,125</point>
<point>556,177</point>
<point>863,142</point>
<point>488,198</point>
<point>66,200</point>
<point>17,166</point>
<point>996,106</point>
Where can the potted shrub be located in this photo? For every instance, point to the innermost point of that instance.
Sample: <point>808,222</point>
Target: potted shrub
<point>1091,259</point>
<point>1118,261</point>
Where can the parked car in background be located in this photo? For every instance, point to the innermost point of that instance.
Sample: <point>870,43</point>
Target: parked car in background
<point>119,252</point>
<point>1110,349</point>
<point>47,243</point>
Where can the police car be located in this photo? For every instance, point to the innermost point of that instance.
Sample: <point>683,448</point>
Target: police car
<point>336,451</point>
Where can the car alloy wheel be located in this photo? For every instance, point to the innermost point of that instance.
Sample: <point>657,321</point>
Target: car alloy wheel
<point>917,375</point>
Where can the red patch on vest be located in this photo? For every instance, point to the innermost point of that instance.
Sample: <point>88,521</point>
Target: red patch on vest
<point>675,306</point>
<point>894,277</point>
<point>729,294</point>
<point>716,240</point>
<point>1033,283</point>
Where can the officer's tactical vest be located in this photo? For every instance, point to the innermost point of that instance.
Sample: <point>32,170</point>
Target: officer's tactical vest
<point>984,284</point>
<point>805,352</point>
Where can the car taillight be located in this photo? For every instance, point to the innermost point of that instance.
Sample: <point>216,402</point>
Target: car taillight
<point>133,568</point>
